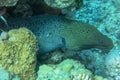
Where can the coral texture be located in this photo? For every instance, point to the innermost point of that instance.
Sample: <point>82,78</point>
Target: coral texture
<point>66,70</point>
<point>5,75</point>
<point>93,60</point>
<point>105,15</point>
<point>18,53</point>
<point>65,5</point>
<point>8,2</point>
<point>112,63</point>
<point>59,3</point>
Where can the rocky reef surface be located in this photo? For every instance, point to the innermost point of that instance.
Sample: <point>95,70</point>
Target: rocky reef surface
<point>67,70</point>
<point>6,75</point>
<point>103,14</point>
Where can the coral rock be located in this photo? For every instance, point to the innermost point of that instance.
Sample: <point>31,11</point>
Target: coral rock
<point>18,53</point>
<point>5,75</point>
<point>69,69</point>
<point>61,4</point>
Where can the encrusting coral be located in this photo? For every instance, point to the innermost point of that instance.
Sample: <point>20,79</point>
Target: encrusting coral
<point>59,3</point>
<point>65,5</point>
<point>5,75</point>
<point>68,69</point>
<point>18,53</point>
<point>112,63</point>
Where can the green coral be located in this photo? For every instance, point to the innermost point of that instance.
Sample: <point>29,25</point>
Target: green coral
<point>69,69</point>
<point>66,70</point>
<point>18,53</point>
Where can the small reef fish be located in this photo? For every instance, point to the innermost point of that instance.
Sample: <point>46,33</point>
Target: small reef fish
<point>55,32</point>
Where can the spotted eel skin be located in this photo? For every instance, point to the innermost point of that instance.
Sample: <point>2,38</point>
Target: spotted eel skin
<point>54,32</point>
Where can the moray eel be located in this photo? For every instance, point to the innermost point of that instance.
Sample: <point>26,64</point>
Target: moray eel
<point>55,32</point>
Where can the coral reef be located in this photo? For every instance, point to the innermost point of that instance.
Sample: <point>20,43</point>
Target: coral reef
<point>111,27</point>
<point>117,3</point>
<point>69,69</point>
<point>112,63</point>
<point>8,2</point>
<point>93,60</point>
<point>59,3</point>
<point>66,6</point>
<point>105,15</point>
<point>93,12</point>
<point>27,8</point>
<point>18,53</point>
<point>23,10</point>
<point>5,75</point>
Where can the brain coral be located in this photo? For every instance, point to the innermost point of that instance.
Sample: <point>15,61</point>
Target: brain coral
<point>18,53</point>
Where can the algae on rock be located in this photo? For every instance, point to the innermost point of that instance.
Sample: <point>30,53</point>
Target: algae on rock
<point>18,53</point>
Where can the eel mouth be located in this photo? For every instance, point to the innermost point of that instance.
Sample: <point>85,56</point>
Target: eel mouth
<point>104,48</point>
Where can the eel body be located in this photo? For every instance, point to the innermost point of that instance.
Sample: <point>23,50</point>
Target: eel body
<point>57,32</point>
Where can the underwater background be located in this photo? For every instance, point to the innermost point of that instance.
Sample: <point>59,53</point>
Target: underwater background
<point>59,40</point>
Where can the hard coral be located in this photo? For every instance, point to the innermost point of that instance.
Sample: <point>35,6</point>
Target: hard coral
<point>5,75</point>
<point>62,4</point>
<point>18,53</point>
<point>112,62</point>
<point>67,70</point>
<point>59,3</point>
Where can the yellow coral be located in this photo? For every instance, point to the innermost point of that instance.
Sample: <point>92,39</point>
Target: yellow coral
<point>18,53</point>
